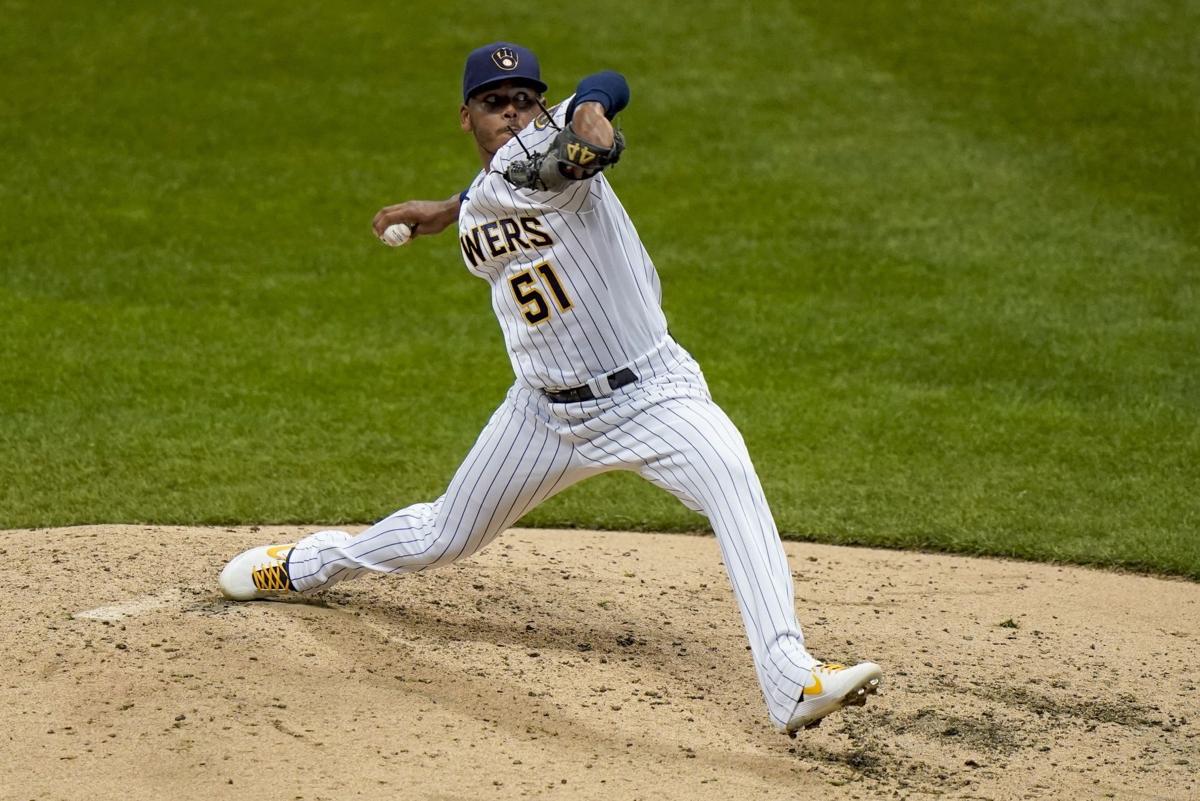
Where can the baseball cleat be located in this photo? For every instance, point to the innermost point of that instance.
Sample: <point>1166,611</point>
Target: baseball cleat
<point>257,573</point>
<point>831,688</point>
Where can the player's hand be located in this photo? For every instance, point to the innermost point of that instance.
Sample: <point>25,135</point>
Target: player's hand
<point>422,216</point>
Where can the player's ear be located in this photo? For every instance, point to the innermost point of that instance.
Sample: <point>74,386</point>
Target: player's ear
<point>464,118</point>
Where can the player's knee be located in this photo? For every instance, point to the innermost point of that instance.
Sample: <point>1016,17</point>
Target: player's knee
<point>730,467</point>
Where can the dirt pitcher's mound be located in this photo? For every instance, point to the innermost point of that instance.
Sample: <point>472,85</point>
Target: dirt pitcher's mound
<point>578,665</point>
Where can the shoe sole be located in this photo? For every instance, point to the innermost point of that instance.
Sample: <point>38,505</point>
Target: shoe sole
<point>857,696</point>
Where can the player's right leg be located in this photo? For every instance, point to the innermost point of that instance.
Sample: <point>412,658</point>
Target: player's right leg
<point>516,463</point>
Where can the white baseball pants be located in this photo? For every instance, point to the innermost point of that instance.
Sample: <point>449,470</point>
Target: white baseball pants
<point>666,428</point>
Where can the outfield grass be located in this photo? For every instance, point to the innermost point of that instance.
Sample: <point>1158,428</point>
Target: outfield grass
<point>939,262</point>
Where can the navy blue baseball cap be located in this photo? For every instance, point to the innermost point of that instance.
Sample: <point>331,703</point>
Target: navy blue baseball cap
<point>500,61</point>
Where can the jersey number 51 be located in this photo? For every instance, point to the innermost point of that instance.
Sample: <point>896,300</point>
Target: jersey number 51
<point>526,290</point>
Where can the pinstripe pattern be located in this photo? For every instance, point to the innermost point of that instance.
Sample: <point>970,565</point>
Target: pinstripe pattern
<point>594,309</point>
<point>595,250</point>
<point>667,429</point>
<point>516,463</point>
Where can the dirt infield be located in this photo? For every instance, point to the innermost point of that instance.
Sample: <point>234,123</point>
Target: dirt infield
<point>579,665</point>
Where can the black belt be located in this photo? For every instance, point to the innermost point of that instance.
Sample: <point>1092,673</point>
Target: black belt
<point>584,392</point>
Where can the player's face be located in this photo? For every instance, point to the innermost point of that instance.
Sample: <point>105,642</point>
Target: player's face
<point>492,114</point>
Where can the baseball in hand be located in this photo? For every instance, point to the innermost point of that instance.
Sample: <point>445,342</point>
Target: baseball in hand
<point>396,235</point>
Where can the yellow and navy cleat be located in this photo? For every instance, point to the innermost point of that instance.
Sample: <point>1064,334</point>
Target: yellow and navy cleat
<point>257,573</point>
<point>831,688</point>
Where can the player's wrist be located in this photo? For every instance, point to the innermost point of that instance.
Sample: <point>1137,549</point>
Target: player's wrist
<point>590,108</point>
<point>591,125</point>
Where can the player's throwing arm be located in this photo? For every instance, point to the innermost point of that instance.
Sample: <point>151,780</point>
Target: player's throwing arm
<point>397,225</point>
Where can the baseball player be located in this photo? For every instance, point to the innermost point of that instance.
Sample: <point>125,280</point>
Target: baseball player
<point>600,384</point>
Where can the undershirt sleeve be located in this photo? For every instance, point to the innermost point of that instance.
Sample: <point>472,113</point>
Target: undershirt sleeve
<point>607,88</point>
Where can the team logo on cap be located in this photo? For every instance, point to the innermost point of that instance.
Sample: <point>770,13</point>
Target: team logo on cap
<point>505,58</point>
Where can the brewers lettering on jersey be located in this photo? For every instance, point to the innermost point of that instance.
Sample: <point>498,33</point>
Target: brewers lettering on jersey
<point>600,385</point>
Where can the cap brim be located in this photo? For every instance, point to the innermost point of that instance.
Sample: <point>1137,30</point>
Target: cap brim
<point>534,82</point>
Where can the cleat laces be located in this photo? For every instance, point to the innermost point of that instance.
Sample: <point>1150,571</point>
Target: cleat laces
<point>271,578</point>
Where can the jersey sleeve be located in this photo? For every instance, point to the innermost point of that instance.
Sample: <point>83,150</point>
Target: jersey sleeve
<point>537,137</point>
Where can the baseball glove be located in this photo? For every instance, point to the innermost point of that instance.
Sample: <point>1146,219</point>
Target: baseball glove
<point>570,158</point>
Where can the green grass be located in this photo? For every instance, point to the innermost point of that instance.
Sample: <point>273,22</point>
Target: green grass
<point>939,261</point>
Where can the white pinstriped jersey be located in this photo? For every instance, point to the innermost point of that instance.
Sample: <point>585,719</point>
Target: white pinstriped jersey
<point>573,288</point>
<point>577,297</point>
